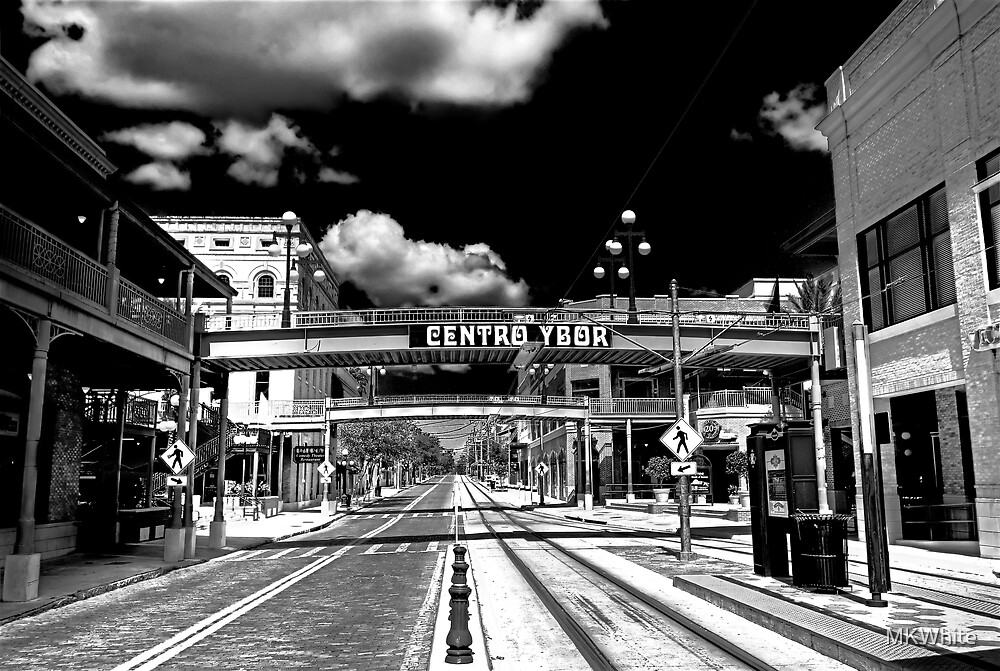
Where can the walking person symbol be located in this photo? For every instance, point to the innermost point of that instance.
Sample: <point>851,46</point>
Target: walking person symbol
<point>178,457</point>
<point>681,437</point>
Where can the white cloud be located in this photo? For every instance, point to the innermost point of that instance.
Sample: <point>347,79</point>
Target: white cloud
<point>172,141</point>
<point>327,174</point>
<point>260,151</point>
<point>739,136</point>
<point>220,58</point>
<point>160,176</point>
<point>372,251</point>
<point>794,116</point>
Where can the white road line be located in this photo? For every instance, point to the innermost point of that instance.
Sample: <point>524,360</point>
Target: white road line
<point>282,553</point>
<point>432,546</point>
<point>179,642</point>
<point>402,547</point>
<point>311,552</point>
<point>233,556</point>
<point>373,549</point>
<point>253,554</point>
<point>386,515</point>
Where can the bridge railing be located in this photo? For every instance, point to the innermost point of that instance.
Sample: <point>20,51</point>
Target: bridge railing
<point>597,406</point>
<point>278,410</point>
<point>272,320</point>
<point>632,406</point>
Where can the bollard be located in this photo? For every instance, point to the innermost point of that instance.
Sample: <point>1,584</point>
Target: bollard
<point>459,637</point>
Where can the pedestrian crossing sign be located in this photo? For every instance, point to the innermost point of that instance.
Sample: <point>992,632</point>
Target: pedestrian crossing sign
<point>681,439</point>
<point>177,457</point>
<point>325,469</point>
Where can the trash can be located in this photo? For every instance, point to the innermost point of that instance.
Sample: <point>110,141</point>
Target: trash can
<point>346,500</point>
<point>819,551</point>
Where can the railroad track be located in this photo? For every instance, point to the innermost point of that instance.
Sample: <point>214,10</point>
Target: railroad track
<point>588,603</point>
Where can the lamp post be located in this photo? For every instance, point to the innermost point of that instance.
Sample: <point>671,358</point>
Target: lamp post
<point>303,250</point>
<point>372,382</point>
<point>625,272</point>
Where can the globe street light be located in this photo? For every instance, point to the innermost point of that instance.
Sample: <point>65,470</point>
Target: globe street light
<point>302,251</point>
<point>625,272</point>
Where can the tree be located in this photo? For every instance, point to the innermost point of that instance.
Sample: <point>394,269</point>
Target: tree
<point>817,295</point>
<point>373,442</point>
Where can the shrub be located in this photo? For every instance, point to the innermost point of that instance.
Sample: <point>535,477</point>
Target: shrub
<point>658,469</point>
<point>737,464</point>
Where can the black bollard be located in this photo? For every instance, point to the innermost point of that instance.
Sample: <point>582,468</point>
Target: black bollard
<point>459,637</point>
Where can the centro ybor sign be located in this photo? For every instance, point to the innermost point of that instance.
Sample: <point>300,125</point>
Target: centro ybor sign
<point>509,335</point>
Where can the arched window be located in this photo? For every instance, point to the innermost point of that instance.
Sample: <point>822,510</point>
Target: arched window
<point>223,278</point>
<point>265,286</point>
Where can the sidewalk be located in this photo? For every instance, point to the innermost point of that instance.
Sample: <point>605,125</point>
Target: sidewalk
<point>944,609</point>
<point>82,575</point>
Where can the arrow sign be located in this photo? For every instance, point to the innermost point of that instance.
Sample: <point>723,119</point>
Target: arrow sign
<point>325,469</point>
<point>681,439</point>
<point>176,481</point>
<point>683,467</point>
<point>177,457</point>
<point>325,480</point>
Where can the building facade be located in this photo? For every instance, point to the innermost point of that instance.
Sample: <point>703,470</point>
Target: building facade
<point>286,403</point>
<point>914,136</point>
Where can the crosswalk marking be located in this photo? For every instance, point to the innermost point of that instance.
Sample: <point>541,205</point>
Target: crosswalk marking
<point>324,551</point>
<point>373,549</point>
<point>310,552</point>
<point>281,553</point>
<point>402,547</point>
<point>432,546</point>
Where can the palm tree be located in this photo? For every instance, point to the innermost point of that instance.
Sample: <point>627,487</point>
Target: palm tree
<point>817,295</point>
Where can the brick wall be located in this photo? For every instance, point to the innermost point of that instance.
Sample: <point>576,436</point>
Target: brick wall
<point>62,438</point>
<point>952,474</point>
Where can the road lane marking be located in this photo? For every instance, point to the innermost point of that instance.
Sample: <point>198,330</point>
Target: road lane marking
<point>402,547</point>
<point>183,640</point>
<point>425,618</point>
<point>432,546</point>
<point>281,553</point>
<point>253,553</point>
<point>310,552</point>
<point>372,549</point>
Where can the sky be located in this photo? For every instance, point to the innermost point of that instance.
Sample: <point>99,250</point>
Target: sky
<point>455,153</point>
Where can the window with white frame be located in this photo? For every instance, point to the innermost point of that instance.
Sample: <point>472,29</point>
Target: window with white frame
<point>989,206</point>
<point>906,264</point>
<point>265,286</point>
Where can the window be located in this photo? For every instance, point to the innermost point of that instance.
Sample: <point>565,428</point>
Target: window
<point>262,385</point>
<point>222,243</point>
<point>989,205</point>
<point>905,261</point>
<point>265,286</point>
<point>587,388</point>
<point>223,278</point>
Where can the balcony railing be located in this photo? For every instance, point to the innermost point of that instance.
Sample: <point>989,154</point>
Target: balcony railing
<point>272,320</point>
<point>257,412</point>
<point>632,406</point>
<point>34,251</point>
<point>747,397</point>
<point>29,248</point>
<point>99,406</point>
<point>150,313</point>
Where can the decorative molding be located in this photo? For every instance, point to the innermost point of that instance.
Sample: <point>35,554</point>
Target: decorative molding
<point>26,96</point>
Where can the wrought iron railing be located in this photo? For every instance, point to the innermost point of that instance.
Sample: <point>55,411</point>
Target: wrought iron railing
<point>458,399</point>
<point>99,406</point>
<point>272,320</point>
<point>148,312</point>
<point>28,247</point>
<point>258,412</point>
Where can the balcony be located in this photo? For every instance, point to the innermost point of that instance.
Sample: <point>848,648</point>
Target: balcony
<point>751,400</point>
<point>31,251</point>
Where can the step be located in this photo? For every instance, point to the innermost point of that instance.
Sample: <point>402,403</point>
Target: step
<point>857,646</point>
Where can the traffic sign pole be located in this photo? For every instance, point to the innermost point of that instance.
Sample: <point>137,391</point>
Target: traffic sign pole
<point>683,482</point>
<point>327,507</point>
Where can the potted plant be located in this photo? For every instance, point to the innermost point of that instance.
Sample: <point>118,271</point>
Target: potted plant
<point>737,464</point>
<point>658,470</point>
<point>734,495</point>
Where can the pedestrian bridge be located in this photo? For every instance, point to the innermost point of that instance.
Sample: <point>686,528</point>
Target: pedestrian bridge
<point>410,336</point>
<point>447,406</point>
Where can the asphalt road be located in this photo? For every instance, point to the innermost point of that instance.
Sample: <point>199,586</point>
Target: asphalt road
<point>361,594</point>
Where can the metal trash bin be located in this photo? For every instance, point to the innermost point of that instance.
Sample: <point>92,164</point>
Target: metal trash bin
<point>819,551</point>
<point>345,500</point>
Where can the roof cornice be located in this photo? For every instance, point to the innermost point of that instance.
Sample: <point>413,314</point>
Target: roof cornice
<point>27,97</point>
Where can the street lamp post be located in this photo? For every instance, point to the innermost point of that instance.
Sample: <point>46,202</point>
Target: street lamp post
<point>302,250</point>
<point>625,272</point>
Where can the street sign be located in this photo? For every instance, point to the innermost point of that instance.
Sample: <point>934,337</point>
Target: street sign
<point>308,454</point>
<point>177,457</point>
<point>176,481</point>
<point>683,467</point>
<point>325,481</point>
<point>325,469</point>
<point>681,439</point>
<point>542,468</point>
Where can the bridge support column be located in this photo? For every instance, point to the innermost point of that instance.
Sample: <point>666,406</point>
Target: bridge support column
<point>578,475</point>
<point>630,495</point>
<point>588,489</point>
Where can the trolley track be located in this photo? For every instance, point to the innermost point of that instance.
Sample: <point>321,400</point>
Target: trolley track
<point>673,627</point>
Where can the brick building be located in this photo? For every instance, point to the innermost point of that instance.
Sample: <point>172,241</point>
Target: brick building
<point>914,135</point>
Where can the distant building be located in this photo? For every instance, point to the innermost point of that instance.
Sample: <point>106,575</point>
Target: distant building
<point>236,249</point>
<point>914,135</point>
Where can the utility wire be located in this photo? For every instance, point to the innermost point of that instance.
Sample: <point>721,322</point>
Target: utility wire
<point>663,146</point>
